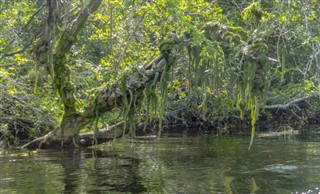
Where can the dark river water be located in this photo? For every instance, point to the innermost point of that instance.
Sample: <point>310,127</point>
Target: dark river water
<point>181,164</point>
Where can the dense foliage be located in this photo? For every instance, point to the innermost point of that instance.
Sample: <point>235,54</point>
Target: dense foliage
<point>234,59</point>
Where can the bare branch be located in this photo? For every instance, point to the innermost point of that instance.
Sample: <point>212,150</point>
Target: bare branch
<point>272,60</point>
<point>8,65</point>
<point>28,23</point>
<point>128,40</point>
<point>21,50</point>
<point>290,103</point>
<point>36,35</point>
<point>23,30</point>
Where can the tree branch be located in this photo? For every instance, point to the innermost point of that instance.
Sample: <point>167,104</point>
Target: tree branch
<point>272,60</point>
<point>21,32</point>
<point>128,40</point>
<point>290,103</point>
<point>69,36</point>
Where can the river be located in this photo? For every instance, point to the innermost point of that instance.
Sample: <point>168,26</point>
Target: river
<point>176,164</point>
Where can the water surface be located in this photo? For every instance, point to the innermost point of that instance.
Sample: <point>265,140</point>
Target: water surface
<point>180,164</point>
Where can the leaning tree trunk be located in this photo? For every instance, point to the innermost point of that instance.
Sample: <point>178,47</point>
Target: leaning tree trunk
<point>128,88</point>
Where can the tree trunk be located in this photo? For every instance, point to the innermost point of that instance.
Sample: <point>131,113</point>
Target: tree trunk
<point>53,55</point>
<point>106,99</point>
<point>119,94</point>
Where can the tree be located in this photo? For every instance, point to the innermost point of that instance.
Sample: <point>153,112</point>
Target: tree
<point>53,54</point>
<point>90,60</point>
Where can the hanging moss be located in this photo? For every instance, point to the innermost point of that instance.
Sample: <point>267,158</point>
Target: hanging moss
<point>235,34</point>
<point>254,110</point>
<point>253,84</point>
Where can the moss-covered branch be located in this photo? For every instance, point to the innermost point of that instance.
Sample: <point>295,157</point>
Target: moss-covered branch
<point>121,93</point>
<point>53,54</point>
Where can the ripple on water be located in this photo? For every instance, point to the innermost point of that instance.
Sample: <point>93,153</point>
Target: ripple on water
<point>280,167</point>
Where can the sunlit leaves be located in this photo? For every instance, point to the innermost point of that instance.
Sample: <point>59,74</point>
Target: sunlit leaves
<point>252,13</point>
<point>123,35</point>
<point>20,59</point>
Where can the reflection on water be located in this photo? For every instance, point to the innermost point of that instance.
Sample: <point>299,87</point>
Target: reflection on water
<point>187,164</point>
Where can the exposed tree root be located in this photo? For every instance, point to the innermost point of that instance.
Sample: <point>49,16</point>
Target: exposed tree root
<point>53,140</point>
<point>34,144</point>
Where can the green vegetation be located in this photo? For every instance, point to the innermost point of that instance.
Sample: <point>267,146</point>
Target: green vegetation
<point>73,67</point>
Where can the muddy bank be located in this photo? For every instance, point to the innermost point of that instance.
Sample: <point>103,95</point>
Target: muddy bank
<point>269,121</point>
